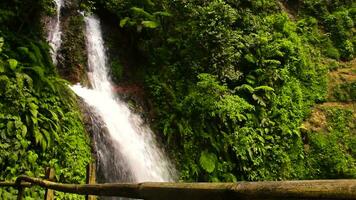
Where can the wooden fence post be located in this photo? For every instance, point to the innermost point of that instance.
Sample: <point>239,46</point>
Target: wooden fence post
<point>21,191</point>
<point>91,178</point>
<point>50,175</point>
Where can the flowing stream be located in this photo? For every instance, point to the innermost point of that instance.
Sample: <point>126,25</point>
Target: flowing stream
<point>54,31</point>
<point>129,151</point>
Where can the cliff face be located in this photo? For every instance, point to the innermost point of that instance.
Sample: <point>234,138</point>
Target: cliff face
<point>72,54</point>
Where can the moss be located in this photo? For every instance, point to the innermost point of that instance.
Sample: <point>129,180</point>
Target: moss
<point>72,64</point>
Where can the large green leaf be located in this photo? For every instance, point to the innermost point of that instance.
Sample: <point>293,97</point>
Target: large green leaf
<point>264,88</point>
<point>207,161</point>
<point>12,63</point>
<point>32,157</point>
<point>150,24</point>
<point>23,130</point>
<point>141,12</point>
<point>124,21</point>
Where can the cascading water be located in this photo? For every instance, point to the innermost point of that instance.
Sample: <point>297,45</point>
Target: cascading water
<point>54,31</point>
<point>129,151</point>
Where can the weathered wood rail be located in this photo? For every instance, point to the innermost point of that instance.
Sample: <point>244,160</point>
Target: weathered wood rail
<point>313,189</point>
<point>317,189</point>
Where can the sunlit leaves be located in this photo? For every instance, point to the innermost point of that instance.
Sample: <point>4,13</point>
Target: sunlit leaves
<point>232,79</point>
<point>143,19</point>
<point>12,63</point>
<point>37,124</point>
<point>32,157</point>
<point>208,161</point>
<point>150,24</point>
<point>337,19</point>
<point>124,21</point>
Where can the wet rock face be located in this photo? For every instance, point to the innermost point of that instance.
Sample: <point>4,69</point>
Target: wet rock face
<point>72,59</point>
<point>72,4</point>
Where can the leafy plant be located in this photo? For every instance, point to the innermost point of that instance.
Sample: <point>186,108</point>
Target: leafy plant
<point>230,82</point>
<point>142,19</point>
<point>207,161</point>
<point>39,123</point>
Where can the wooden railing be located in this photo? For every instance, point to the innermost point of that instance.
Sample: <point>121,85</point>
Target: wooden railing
<point>314,189</point>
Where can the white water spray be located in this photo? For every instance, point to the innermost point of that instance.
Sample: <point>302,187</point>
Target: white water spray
<point>54,31</point>
<point>134,140</point>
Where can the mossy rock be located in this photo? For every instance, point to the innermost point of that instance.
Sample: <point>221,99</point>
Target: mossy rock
<point>73,60</point>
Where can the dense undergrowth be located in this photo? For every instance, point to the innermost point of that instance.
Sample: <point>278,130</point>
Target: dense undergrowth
<point>331,151</point>
<point>232,81</point>
<point>337,20</point>
<point>40,124</point>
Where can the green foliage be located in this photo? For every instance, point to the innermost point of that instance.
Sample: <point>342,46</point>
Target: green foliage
<point>331,153</point>
<point>39,123</point>
<point>232,81</point>
<point>332,52</point>
<point>207,161</point>
<point>142,19</point>
<point>344,92</point>
<point>116,69</point>
<point>72,60</point>
<point>337,18</point>
<point>23,16</point>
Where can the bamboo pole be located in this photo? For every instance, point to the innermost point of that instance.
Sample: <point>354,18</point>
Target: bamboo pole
<point>12,184</point>
<point>91,178</point>
<point>20,186</point>
<point>317,189</point>
<point>21,192</point>
<point>50,175</point>
<point>20,189</point>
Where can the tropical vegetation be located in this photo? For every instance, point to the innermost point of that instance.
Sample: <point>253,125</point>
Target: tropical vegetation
<point>238,90</point>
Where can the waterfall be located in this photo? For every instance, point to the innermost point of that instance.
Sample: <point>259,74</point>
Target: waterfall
<point>129,151</point>
<point>54,31</point>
